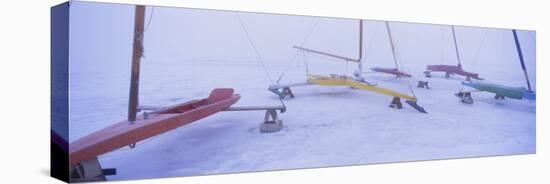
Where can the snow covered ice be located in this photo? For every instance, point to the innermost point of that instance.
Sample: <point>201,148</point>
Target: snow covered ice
<point>190,52</point>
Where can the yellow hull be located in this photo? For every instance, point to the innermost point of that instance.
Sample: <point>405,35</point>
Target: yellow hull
<point>348,81</point>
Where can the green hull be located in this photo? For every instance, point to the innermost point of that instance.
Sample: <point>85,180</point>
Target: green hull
<point>507,91</point>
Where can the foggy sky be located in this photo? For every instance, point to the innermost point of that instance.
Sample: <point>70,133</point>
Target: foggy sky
<point>101,35</point>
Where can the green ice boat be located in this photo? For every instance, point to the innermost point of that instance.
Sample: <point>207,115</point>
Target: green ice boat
<point>501,91</point>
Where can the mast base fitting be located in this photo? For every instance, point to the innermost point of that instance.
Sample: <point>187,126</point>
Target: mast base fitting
<point>423,84</point>
<point>396,103</point>
<point>465,97</point>
<point>89,171</point>
<point>271,123</point>
<point>428,74</point>
<point>448,75</point>
<point>286,92</point>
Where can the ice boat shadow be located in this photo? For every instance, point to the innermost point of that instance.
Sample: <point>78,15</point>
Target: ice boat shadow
<point>509,104</point>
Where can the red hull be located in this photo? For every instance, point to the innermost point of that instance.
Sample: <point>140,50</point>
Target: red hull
<point>452,69</point>
<point>393,71</point>
<point>123,133</point>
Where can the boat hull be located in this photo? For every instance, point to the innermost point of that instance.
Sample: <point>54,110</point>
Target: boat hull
<point>348,81</point>
<point>506,91</point>
<point>452,69</point>
<point>392,71</point>
<point>123,133</point>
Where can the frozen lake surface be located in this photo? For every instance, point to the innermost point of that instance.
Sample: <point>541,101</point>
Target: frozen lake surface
<point>190,52</point>
<point>324,126</point>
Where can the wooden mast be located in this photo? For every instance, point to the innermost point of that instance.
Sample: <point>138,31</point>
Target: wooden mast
<point>520,55</point>
<point>137,53</point>
<point>360,47</point>
<point>391,44</point>
<point>456,47</point>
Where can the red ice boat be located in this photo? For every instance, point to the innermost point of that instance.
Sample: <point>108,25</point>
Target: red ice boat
<point>450,70</point>
<point>125,133</point>
<point>393,71</point>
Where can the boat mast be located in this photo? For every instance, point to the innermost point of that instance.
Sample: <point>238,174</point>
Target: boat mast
<point>360,72</point>
<point>520,54</point>
<point>137,53</point>
<point>456,47</point>
<point>391,44</point>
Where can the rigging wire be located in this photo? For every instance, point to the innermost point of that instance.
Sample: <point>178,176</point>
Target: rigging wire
<point>346,70</point>
<point>408,80</point>
<point>396,59</point>
<point>150,18</point>
<point>367,53</point>
<point>408,69</point>
<point>254,47</point>
<point>441,30</point>
<point>476,56</point>
<point>289,63</point>
<point>304,56</point>
<point>257,54</point>
<point>391,44</point>
<point>310,32</point>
